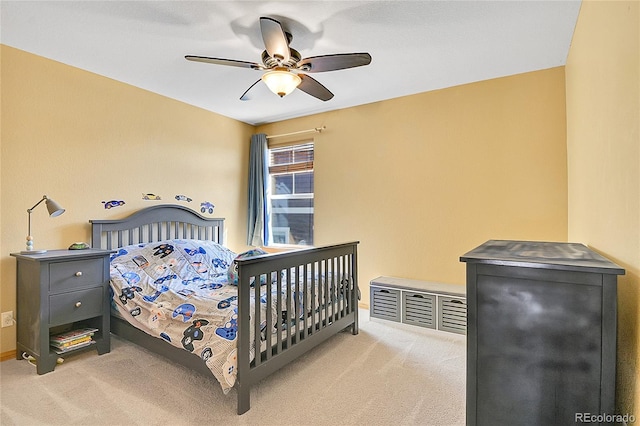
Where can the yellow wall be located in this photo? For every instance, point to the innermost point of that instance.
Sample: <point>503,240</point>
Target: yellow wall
<point>603,139</point>
<point>81,138</point>
<point>420,180</point>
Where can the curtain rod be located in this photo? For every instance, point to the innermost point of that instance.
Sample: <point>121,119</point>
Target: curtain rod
<point>316,130</point>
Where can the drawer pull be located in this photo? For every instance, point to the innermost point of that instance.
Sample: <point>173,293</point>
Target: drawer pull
<point>79,274</point>
<point>78,304</point>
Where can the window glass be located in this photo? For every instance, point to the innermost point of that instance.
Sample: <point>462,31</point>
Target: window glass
<point>282,184</point>
<point>303,183</point>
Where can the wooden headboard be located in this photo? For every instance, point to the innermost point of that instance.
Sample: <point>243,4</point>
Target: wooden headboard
<point>156,223</point>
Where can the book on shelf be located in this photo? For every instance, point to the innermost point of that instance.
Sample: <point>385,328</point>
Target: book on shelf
<point>60,351</point>
<point>71,340</point>
<point>69,336</point>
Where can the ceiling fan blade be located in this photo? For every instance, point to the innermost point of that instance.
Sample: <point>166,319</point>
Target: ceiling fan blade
<point>245,96</point>
<point>312,87</point>
<point>275,39</point>
<point>338,61</point>
<point>220,61</point>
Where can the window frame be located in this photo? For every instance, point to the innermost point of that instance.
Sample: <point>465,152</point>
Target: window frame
<point>290,169</point>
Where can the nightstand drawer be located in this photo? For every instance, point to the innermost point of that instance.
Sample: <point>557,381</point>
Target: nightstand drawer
<point>78,305</point>
<point>71,275</point>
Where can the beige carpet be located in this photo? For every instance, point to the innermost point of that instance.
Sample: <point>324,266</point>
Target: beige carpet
<point>389,374</point>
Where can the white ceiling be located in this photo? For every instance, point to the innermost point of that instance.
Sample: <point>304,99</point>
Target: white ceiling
<point>416,46</point>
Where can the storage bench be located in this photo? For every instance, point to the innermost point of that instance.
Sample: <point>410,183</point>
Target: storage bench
<point>422,303</point>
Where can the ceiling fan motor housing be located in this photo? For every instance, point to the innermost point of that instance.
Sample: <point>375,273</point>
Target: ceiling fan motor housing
<point>270,62</point>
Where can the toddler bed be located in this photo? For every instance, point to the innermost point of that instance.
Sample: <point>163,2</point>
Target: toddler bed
<point>177,291</point>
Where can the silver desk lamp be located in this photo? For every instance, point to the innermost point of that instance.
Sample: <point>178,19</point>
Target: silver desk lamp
<point>54,210</point>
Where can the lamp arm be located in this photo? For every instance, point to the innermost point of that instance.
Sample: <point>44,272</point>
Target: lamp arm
<point>44,197</point>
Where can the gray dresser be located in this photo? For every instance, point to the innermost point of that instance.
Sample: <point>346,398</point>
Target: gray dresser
<point>57,291</point>
<point>541,337</point>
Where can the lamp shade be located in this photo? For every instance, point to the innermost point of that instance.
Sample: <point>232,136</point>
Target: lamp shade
<point>54,208</point>
<point>281,81</point>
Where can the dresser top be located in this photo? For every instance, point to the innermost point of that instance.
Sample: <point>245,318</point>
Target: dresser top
<point>538,254</point>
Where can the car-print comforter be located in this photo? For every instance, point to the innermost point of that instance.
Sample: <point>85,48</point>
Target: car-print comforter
<point>178,291</point>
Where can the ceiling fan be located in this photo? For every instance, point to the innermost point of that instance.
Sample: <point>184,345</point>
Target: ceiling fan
<point>286,70</point>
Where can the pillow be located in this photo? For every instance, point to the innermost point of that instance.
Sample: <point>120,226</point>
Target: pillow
<point>233,270</point>
<point>187,259</point>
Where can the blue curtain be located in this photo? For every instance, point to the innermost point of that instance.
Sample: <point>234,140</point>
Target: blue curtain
<point>257,232</point>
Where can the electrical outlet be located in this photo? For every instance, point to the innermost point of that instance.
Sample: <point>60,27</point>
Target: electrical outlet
<point>7,319</point>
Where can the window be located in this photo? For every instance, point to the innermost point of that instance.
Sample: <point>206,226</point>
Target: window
<point>291,194</point>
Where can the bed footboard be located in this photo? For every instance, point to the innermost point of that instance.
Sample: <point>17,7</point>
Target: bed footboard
<point>315,295</point>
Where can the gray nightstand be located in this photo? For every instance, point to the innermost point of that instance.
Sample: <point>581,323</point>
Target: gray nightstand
<point>57,291</point>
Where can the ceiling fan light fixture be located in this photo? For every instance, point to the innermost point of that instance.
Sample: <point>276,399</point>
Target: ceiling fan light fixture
<point>281,81</point>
